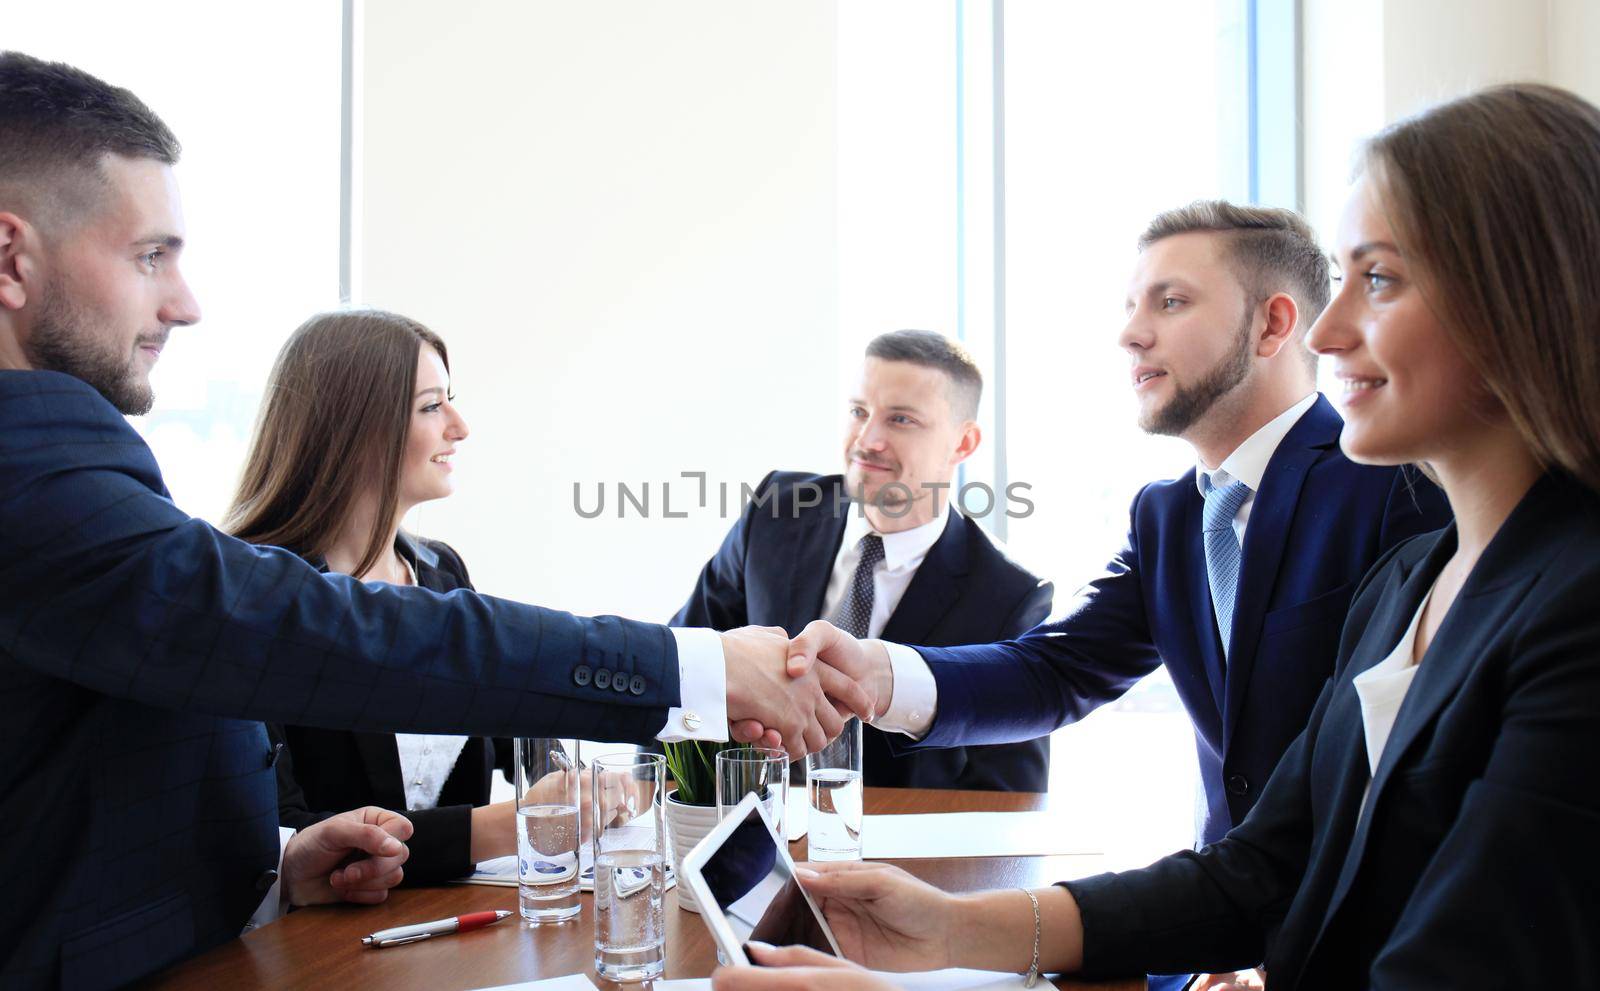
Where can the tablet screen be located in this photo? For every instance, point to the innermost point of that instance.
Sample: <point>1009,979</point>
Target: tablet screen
<point>757,892</point>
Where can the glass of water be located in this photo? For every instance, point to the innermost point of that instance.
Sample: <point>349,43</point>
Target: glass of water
<point>630,927</point>
<point>762,771</point>
<point>547,776</point>
<point>833,784</point>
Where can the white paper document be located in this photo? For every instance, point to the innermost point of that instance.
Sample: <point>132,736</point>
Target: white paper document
<point>972,834</point>
<point>795,813</point>
<point>933,980</point>
<point>572,982</point>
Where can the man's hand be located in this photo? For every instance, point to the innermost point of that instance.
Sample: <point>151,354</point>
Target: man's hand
<point>764,698</point>
<point>314,862</point>
<point>864,662</point>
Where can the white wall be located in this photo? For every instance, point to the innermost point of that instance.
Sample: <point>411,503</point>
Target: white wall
<point>1358,79</point>
<point>620,215</point>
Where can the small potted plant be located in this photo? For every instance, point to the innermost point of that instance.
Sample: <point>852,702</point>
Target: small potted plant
<point>692,806</point>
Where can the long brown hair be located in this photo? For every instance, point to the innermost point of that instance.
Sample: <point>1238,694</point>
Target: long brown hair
<point>1498,196</point>
<point>333,425</point>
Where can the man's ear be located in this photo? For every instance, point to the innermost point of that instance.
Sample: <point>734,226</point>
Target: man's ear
<point>971,437</point>
<point>1283,317</point>
<point>17,239</point>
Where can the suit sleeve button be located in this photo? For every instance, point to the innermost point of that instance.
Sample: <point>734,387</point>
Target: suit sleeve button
<point>636,686</point>
<point>619,684</point>
<point>265,880</point>
<point>1238,785</point>
<point>581,675</point>
<point>602,678</point>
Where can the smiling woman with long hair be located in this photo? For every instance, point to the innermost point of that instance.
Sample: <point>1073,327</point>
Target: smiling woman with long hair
<point>358,427</point>
<point>1434,825</point>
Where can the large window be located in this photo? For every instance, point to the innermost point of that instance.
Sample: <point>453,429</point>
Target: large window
<point>257,112</point>
<point>995,173</point>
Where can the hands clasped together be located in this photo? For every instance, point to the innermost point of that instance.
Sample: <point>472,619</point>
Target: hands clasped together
<point>797,693</point>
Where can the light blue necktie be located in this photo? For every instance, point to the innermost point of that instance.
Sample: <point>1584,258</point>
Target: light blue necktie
<point>1222,550</point>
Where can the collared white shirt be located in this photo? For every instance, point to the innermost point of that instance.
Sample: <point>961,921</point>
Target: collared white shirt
<point>916,694</point>
<point>426,761</point>
<point>1248,462</point>
<point>903,554</point>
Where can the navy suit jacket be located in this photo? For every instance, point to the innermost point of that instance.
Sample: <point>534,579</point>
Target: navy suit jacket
<point>773,570</point>
<point>1316,527</point>
<point>322,772</point>
<point>1472,863</point>
<point>140,651</point>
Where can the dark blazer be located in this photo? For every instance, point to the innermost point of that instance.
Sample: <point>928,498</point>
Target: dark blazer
<point>1472,864</point>
<point>773,569</point>
<point>322,772</point>
<point>1316,527</point>
<point>140,652</point>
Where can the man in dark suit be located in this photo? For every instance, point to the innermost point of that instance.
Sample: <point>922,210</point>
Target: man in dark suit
<point>812,545</point>
<point>1238,574</point>
<point>140,649</point>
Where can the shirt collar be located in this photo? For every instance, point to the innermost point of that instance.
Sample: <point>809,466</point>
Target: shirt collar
<point>1248,462</point>
<point>905,549</point>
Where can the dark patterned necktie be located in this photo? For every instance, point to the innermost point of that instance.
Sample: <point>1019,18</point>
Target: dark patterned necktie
<point>855,609</point>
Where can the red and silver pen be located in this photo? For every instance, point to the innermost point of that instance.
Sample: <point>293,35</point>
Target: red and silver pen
<point>427,930</point>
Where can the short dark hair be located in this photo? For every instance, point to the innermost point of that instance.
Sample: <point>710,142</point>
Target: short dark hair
<point>1272,250</point>
<point>931,350</point>
<point>57,123</point>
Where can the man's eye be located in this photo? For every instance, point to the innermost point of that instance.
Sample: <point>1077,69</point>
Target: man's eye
<point>857,412</point>
<point>900,418</point>
<point>1171,303</point>
<point>149,258</point>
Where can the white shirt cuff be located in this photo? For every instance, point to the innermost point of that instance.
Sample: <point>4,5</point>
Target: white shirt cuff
<point>702,709</point>
<point>272,906</point>
<point>916,694</point>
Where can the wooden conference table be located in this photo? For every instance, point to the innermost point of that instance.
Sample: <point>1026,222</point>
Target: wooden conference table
<point>321,947</point>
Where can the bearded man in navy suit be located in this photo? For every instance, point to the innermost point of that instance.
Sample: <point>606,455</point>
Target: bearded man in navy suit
<point>1237,575</point>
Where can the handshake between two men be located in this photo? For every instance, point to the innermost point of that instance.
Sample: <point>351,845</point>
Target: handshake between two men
<point>797,693</point>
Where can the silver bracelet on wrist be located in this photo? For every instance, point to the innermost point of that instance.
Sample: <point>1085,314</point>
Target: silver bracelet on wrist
<point>1032,977</point>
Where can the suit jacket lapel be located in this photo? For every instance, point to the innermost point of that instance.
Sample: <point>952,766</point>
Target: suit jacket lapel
<point>1265,542</point>
<point>381,759</point>
<point>810,552</point>
<point>1506,565</point>
<point>933,589</point>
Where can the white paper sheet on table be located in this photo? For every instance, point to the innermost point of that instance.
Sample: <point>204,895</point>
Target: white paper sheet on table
<point>971,834</point>
<point>933,980</point>
<point>795,813</point>
<point>572,982</point>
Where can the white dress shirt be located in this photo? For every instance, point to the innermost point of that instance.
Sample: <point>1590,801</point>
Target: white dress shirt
<point>702,709</point>
<point>1248,462</point>
<point>426,761</point>
<point>903,553</point>
<point>1382,688</point>
<point>916,695</point>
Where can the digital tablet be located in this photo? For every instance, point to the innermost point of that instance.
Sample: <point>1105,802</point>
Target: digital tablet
<point>743,879</point>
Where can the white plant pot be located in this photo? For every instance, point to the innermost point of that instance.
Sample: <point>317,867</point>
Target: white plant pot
<point>686,826</point>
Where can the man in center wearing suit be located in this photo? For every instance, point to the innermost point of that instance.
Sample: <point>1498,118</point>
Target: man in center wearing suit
<point>883,551</point>
<point>1236,575</point>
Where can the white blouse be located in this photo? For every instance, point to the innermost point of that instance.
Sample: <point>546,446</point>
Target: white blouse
<point>1382,688</point>
<point>425,764</point>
